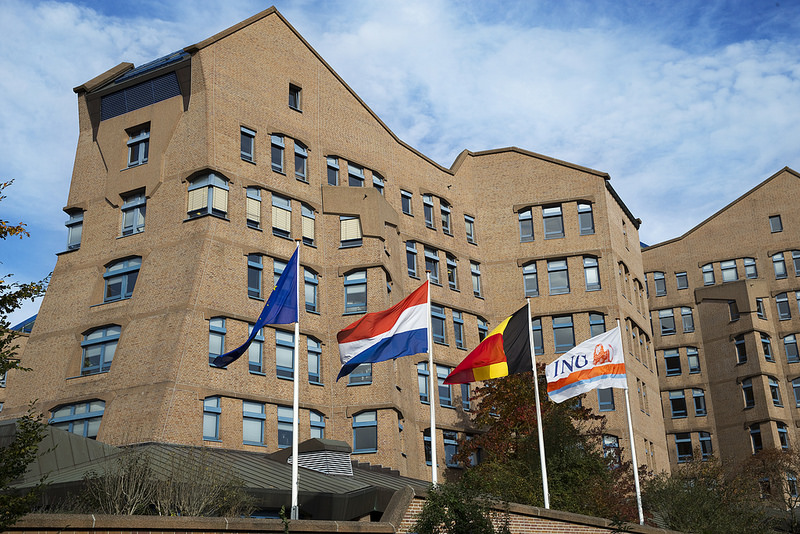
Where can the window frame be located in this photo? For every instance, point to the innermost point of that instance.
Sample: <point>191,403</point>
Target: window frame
<point>790,348</point>
<point>355,175</point>
<point>407,202</point>
<point>438,324</point>
<point>775,224</point>
<point>308,221</point>
<point>133,210</point>
<point>300,161</point>
<point>553,222</point>
<point>106,342</point>
<point>211,415</point>
<point>683,452</point>
<point>255,352</point>
<point>525,218</point>
<point>687,320</point>
<point>355,281</point>
<point>699,401</point>
<point>779,266</point>
<point>682,280</point>
<point>285,416</point>
<point>314,349</point>
<point>216,330</point>
<point>332,166</point>
<point>277,149</point>
<point>253,207</point>
<point>591,267</point>
<point>284,345</point>
<point>361,375</point>
<point>708,274</point>
<point>469,227</point>
<point>445,210</point>
<point>672,362</point>
<point>423,382</point>
<point>452,271</point>
<point>444,391</point>
<point>350,234</point>
<point>247,144</point>
<point>530,280</point>
<point>740,347</point>
<point>475,274</point>
<point>138,145</point>
<point>677,404</point>
<point>84,416</point>
<point>748,394</point>
<point>256,420</point>
<point>693,358</point>
<point>411,259</point>
<point>295,97</point>
<point>125,275</point>
<point>311,286</point>
<point>316,423</point>
<point>458,330</point>
<point>563,325</point>
<point>255,271</point>
<point>432,264</point>
<point>605,400</point>
<point>782,304</point>
<point>367,419</point>
<point>557,269</point>
<point>281,216</point>
<point>585,218</point>
<point>729,271</point>
<point>74,229</point>
<point>427,208</point>
<point>216,195</point>
<point>665,317</point>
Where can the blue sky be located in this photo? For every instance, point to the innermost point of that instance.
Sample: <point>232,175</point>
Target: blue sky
<point>686,104</point>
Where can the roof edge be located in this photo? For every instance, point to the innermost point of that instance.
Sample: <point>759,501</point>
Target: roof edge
<point>536,155</point>
<point>104,78</point>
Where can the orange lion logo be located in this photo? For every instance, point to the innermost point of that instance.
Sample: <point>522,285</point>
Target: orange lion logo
<point>601,355</point>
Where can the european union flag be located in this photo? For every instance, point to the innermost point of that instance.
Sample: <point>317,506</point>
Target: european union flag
<point>281,308</point>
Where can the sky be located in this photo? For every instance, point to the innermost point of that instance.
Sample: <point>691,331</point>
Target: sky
<point>686,104</point>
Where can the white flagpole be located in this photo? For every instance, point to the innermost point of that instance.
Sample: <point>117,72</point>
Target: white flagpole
<point>432,388</point>
<point>545,488</point>
<point>296,400</point>
<point>633,444</point>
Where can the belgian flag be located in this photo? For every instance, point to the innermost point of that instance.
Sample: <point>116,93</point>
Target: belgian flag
<point>506,350</point>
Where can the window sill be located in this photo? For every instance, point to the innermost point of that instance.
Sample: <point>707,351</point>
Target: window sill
<point>559,292</point>
<point>68,250</point>
<point>250,161</point>
<point>472,242</point>
<point>295,109</point>
<point>312,245</point>
<point>477,296</point>
<point>130,234</point>
<point>253,227</point>
<point>313,383</point>
<point>109,302</point>
<point>301,179</point>
<point>354,312</point>
<point>368,451</point>
<point>359,384</point>
<point>524,240</point>
<point>409,214</point>
<point>455,289</point>
<point>415,277</point>
<point>598,289</point>
<point>313,312</point>
<point>258,373</point>
<point>282,236</point>
<point>87,375</point>
<point>278,171</point>
<point>289,378</point>
<point>443,343</point>
<point>217,440</point>
<point>426,403</point>
<point>554,237</point>
<point>449,406</point>
<point>254,444</point>
<point>261,299</point>
<point>133,166</point>
<point>349,245</point>
<point>202,215</point>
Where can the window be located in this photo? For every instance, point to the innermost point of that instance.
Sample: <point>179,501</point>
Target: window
<point>733,308</point>
<point>253,419</point>
<point>605,399</point>
<point>682,280</point>
<point>483,328</point>
<point>445,209</point>
<point>553,222</point>
<point>791,483</point>
<point>755,437</point>
<point>775,224</point>
<point>208,195</point>
<point>405,202</point>
<point>314,360</point>
<point>783,436</point>
<point>74,229</point>
<point>277,270</point>
<point>378,182</point>
<point>525,225</point>
<point>355,175</point>
<point>672,362</point>
<point>699,397</point>
<point>350,229</point>
<point>750,269</point>
<point>796,262</point>
<point>285,424</point>
<point>411,258</point>
<point>796,390</point>
<point>563,333</point>
<point>248,141</point>
<point>706,450</point>
<point>469,223</point>
<point>138,146</point>
<point>307,219</point>
<point>475,270</point>
<point>422,381</point>
<point>530,280</point>
<point>677,402</point>
<point>782,301</point>
<point>300,161</point>
<point>277,153</point>
<point>683,447</point>
<point>255,352</point>
<point>333,170</point>
<point>538,340</point>
<point>465,398</point>
<point>775,391</point>
<point>660,283</point>
<point>253,207</point>
<point>760,309</point>
<point>747,391</point>
<point>558,277</point>
<point>361,375</point>
<point>432,264</point>
<point>311,283</point>
<point>211,413</point>
<point>284,354</point>
<point>694,360</point>
<point>216,338</point>
<point>427,205</point>
<point>254,271</point>
<point>591,273</point>
<point>98,348</point>
<point>294,97</point>
<point>766,345</point>
<point>355,292</point>
<point>458,329</point>
<point>365,432</point>
<point>120,279</point>
<point>452,272</point>
<point>426,441</point>
<point>741,348</point>
<point>667,322</point>
<point>82,419</point>
<point>779,264</point>
<point>687,320</point>
<point>450,447</point>
<point>281,216</point>
<point>317,423</point>
<point>708,274</point>
<point>729,273</point>
<point>597,324</point>
<point>790,346</point>
<point>133,210</point>
<point>585,218</point>
<point>611,449</point>
<point>445,390</point>
<point>437,324</point>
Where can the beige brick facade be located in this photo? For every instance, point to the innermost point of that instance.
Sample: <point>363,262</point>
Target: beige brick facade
<point>746,363</point>
<point>195,268</point>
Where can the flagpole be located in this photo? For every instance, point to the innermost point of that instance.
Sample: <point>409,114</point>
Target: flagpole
<point>545,488</point>
<point>432,383</point>
<point>296,399</point>
<point>633,445</point>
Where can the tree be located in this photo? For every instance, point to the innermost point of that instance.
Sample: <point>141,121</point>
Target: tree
<point>705,497</point>
<point>17,455</point>
<point>582,477</point>
<point>456,508</point>
<point>776,472</point>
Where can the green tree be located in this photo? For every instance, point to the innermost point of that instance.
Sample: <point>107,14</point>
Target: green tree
<point>776,472</point>
<point>457,508</point>
<point>17,455</point>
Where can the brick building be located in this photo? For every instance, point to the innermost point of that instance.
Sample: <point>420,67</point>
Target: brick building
<point>193,176</point>
<point>725,300</point>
